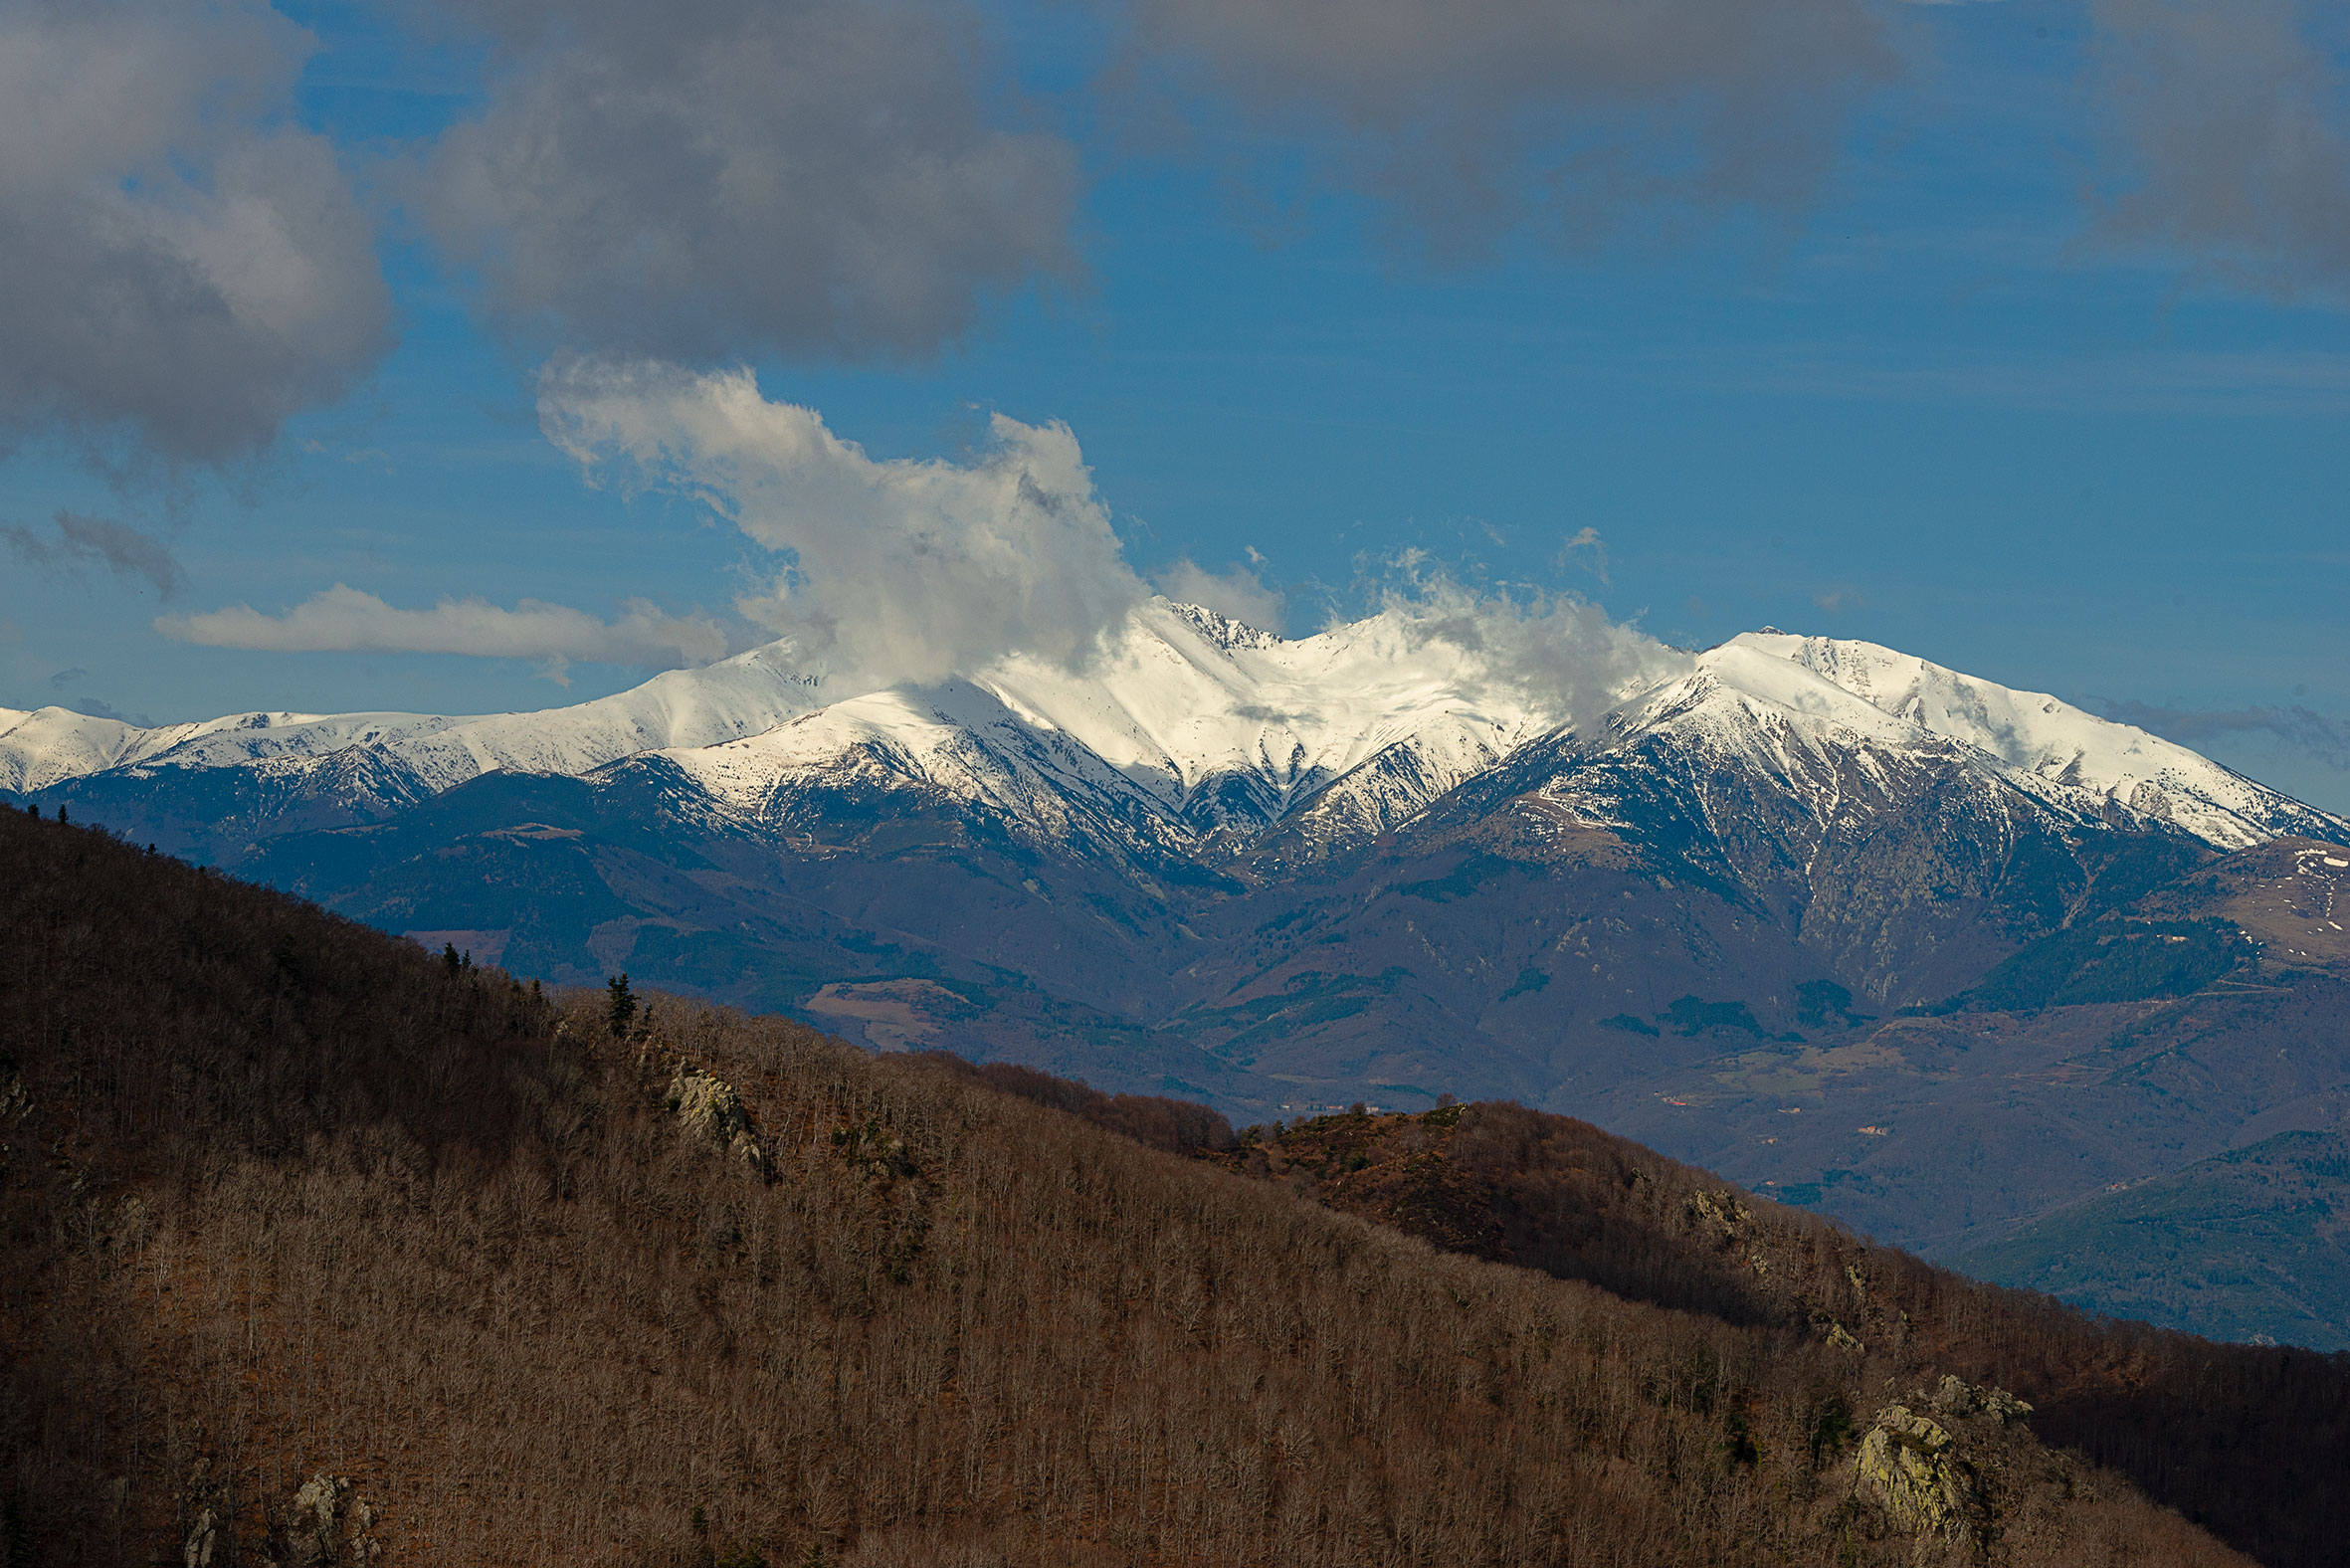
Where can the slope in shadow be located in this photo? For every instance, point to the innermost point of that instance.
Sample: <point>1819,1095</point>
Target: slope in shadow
<point>2246,1441</point>
<point>314,1246</point>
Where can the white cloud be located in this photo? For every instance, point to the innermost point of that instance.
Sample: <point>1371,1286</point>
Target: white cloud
<point>1560,649</point>
<point>906,570</point>
<point>345,620</point>
<point>182,263</point>
<point>901,570</point>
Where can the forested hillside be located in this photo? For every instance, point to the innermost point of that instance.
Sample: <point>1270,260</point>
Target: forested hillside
<point>2248,1441</point>
<point>318,1248</point>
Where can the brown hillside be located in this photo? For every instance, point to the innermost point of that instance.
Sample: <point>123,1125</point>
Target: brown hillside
<point>320,1248</point>
<point>2252,1442</point>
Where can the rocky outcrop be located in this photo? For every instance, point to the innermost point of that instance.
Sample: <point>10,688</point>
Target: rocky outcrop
<point>1908,1465</point>
<point>1932,1465</point>
<point>708,1109</point>
<point>203,1537</point>
<point>328,1525</point>
<point>1957,1397</point>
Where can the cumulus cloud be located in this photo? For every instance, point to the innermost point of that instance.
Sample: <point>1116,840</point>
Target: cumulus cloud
<point>716,178</point>
<point>899,570</point>
<point>1469,116</point>
<point>183,266</point>
<point>2297,729</point>
<point>345,620</point>
<point>2230,121</point>
<point>1237,592</point>
<point>83,542</point>
<point>918,570</point>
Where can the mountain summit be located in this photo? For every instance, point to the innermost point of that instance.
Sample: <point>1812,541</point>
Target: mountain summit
<point>1218,731</point>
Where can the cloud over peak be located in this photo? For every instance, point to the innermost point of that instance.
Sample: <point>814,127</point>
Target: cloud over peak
<point>902,570</point>
<point>897,569</point>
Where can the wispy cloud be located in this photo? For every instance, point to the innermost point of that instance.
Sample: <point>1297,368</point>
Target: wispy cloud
<point>2198,383</point>
<point>1586,550</point>
<point>345,620</point>
<point>2298,728</point>
<point>81,541</point>
<point>1238,592</point>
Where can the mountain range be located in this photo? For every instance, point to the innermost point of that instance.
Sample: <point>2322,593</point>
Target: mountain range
<point>1932,954</point>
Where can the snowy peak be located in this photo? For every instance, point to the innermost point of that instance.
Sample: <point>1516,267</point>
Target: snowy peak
<point>1189,732</point>
<point>2033,734</point>
<point>1231,726</point>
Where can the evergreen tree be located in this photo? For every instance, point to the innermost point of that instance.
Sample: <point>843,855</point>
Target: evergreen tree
<point>624,1003</point>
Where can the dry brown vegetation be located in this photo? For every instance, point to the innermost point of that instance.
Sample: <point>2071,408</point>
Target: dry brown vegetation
<point>2253,1442</point>
<point>284,1196</point>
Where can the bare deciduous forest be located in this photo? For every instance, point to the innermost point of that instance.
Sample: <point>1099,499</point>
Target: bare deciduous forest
<point>2251,1442</point>
<point>320,1248</point>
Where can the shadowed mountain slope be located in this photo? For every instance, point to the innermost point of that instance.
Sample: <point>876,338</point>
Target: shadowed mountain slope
<point>321,1249</point>
<point>2246,1439</point>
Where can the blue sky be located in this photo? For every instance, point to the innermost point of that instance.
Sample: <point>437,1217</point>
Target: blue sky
<point>1977,356</point>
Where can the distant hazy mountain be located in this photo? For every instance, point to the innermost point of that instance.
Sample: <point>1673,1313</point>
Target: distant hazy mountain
<point>1283,873</point>
<point>2251,1245</point>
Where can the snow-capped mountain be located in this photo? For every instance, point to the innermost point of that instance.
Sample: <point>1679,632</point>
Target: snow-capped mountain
<point>1240,859</point>
<point>1192,730</point>
<point>746,694</point>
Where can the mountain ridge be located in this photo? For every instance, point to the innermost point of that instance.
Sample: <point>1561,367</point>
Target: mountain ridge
<point>1216,724</point>
<point>1724,904</point>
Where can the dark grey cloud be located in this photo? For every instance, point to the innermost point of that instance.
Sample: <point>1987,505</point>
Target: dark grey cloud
<point>2297,729</point>
<point>183,265</point>
<point>1475,115</point>
<point>66,678</point>
<point>81,541</point>
<point>716,178</point>
<point>2228,127</point>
